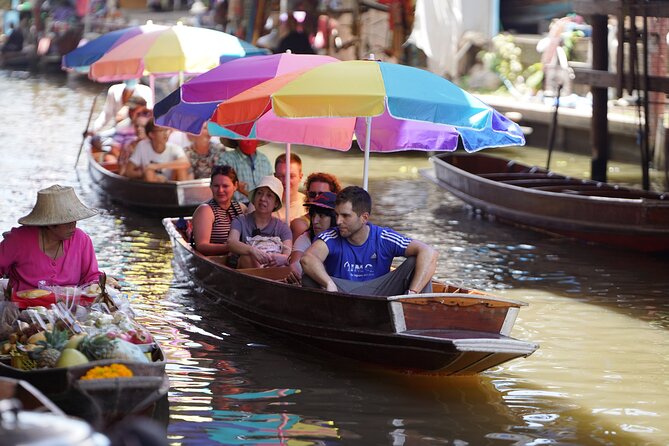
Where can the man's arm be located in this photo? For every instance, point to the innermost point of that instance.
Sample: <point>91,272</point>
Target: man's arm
<point>132,170</point>
<point>312,264</point>
<point>426,263</point>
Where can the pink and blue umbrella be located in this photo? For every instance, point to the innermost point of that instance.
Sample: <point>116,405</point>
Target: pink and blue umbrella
<point>83,57</point>
<point>192,104</point>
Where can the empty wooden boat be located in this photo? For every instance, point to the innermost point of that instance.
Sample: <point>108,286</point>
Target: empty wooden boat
<point>544,200</point>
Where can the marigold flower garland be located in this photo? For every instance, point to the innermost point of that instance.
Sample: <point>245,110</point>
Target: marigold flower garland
<point>108,372</point>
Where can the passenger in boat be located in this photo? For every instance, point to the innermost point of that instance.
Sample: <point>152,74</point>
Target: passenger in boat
<point>321,212</point>
<point>316,183</point>
<point>156,160</point>
<point>259,238</point>
<point>213,219</point>
<point>296,200</point>
<point>112,142</point>
<point>355,257</point>
<point>250,164</point>
<point>202,153</point>
<point>48,246</point>
<point>115,109</point>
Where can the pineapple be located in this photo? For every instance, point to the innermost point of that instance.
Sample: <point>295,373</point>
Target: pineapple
<point>97,347</point>
<point>48,354</point>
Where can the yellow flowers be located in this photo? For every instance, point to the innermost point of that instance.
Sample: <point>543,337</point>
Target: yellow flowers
<point>108,372</point>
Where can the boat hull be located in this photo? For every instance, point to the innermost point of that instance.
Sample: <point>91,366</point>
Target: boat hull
<point>101,402</point>
<point>170,198</point>
<point>539,199</point>
<point>424,333</point>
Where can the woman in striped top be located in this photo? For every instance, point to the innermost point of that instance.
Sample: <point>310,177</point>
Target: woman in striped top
<point>212,220</point>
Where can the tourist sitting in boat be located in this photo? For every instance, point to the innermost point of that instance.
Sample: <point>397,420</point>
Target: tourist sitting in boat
<point>355,257</point>
<point>296,200</point>
<point>212,220</point>
<point>156,160</point>
<point>250,164</point>
<point>316,183</point>
<point>322,217</point>
<point>48,247</point>
<point>202,153</point>
<point>111,143</point>
<point>115,109</point>
<point>259,238</point>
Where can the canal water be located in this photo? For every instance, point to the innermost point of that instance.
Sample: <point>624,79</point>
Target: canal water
<point>601,315</point>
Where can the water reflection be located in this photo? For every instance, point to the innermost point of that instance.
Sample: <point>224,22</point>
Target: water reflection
<point>600,315</point>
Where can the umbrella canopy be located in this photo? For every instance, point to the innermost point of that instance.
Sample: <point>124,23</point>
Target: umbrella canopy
<point>412,108</point>
<point>176,49</point>
<point>81,58</point>
<point>194,102</point>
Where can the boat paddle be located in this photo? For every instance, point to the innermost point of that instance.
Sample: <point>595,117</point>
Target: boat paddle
<point>88,122</point>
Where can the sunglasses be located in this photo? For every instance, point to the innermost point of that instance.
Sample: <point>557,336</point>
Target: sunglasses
<point>311,194</point>
<point>255,232</point>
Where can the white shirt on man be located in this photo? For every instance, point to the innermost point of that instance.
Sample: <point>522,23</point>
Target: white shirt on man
<point>145,155</point>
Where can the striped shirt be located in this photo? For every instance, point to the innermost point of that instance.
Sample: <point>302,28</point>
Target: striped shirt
<point>223,220</point>
<point>368,261</point>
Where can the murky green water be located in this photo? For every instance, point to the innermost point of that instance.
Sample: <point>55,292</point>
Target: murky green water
<point>601,315</point>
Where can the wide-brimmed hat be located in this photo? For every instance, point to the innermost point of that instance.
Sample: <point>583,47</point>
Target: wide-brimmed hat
<point>274,184</point>
<point>57,205</point>
<point>324,200</point>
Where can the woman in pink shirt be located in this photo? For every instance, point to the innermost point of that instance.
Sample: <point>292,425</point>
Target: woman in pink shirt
<point>49,247</point>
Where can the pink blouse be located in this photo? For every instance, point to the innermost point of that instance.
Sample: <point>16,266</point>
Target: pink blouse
<point>22,259</point>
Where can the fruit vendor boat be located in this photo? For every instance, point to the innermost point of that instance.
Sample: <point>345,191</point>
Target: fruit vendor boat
<point>169,198</point>
<point>453,331</point>
<point>94,363</point>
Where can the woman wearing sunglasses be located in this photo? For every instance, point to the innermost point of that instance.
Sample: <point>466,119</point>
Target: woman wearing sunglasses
<point>322,217</point>
<point>316,183</point>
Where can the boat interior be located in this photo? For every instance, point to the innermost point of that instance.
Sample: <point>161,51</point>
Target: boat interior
<point>533,177</point>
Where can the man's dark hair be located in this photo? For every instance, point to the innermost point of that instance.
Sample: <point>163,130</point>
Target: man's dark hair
<point>281,159</point>
<point>360,200</point>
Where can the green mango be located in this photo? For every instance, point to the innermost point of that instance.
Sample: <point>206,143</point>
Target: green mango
<point>71,357</point>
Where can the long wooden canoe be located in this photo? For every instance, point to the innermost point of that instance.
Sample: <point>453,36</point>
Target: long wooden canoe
<point>170,198</point>
<point>544,200</point>
<point>101,402</point>
<point>453,331</point>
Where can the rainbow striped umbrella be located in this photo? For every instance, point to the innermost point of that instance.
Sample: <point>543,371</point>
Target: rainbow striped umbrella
<point>177,49</point>
<point>81,58</point>
<point>411,108</point>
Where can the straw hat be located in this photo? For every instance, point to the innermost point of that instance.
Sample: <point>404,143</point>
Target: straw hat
<point>274,184</point>
<point>57,205</point>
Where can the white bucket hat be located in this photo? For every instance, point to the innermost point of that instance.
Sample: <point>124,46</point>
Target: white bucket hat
<point>274,184</point>
<point>57,205</point>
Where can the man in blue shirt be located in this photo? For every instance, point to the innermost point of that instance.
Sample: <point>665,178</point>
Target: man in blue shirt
<point>355,257</point>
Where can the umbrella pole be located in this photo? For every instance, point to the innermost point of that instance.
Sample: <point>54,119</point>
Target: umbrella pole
<point>152,85</point>
<point>368,139</point>
<point>287,180</point>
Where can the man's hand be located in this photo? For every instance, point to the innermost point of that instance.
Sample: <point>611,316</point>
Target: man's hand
<point>243,188</point>
<point>332,287</point>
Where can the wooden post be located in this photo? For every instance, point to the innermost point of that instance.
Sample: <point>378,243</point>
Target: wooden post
<point>599,125</point>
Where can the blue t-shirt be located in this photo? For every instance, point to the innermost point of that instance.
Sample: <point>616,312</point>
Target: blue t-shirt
<point>368,261</point>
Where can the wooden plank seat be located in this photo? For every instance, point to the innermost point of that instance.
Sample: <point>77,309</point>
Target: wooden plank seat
<point>278,273</point>
<point>546,182</point>
<point>501,176</point>
<point>110,166</point>
<point>617,193</point>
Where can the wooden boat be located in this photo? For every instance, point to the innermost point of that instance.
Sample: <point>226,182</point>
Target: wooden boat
<point>452,331</point>
<point>29,417</point>
<point>547,201</point>
<point>101,402</point>
<point>170,198</point>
